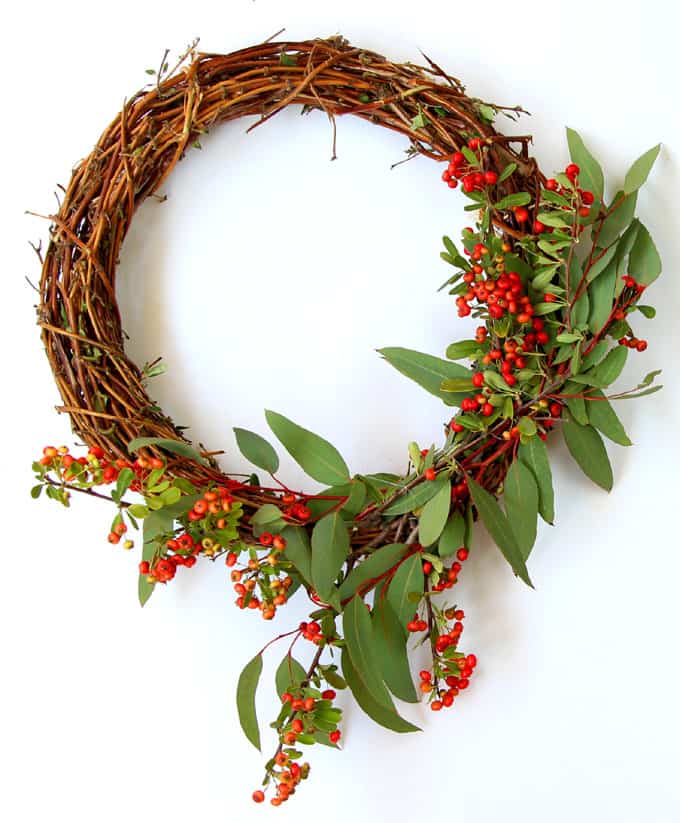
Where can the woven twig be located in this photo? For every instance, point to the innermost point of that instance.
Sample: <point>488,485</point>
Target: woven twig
<point>103,391</point>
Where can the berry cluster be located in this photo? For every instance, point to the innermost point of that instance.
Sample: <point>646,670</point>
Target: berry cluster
<point>184,550</point>
<point>263,573</point>
<point>461,169</point>
<point>450,667</point>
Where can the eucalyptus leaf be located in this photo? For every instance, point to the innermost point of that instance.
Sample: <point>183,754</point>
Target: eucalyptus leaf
<point>386,716</point>
<point>639,171</point>
<point>605,419</point>
<point>427,371</point>
<point>586,447</point>
<point>434,515</point>
<point>245,699</point>
<point>499,528</point>
<point>166,444</point>
<point>453,536</point>
<point>534,454</point>
<point>521,505</point>
<point>408,579</point>
<point>257,450</point>
<point>330,547</point>
<point>591,176</point>
<point>390,645</point>
<point>316,456</point>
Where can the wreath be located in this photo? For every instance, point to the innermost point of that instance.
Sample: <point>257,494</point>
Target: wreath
<point>552,271</point>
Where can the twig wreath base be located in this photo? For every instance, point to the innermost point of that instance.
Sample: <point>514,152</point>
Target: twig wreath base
<point>551,270</point>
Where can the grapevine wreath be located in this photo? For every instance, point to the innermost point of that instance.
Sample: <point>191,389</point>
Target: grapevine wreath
<point>552,272</point>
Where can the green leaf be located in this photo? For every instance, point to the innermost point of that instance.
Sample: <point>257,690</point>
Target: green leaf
<point>576,405</point>
<point>434,516</point>
<point>298,550</point>
<point>511,168</point>
<point>534,454</point>
<point>138,511</point>
<point>268,518</point>
<point>319,459</point>
<point>591,176</point>
<point>125,478</point>
<point>408,579</point>
<point>257,450</point>
<point>606,372</point>
<point>462,349</point>
<point>330,546</point>
<point>419,121</point>
<point>36,491</point>
<point>639,171</point>
<point>521,198</point>
<point>554,219</point>
<point>619,216</point>
<point>453,536</point>
<point>459,385</point>
<point>546,308</point>
<point>644,393</point>
<point>417,496</point>
<point>645,263</point>
<point>521,505</point>
<point>603,260</point>
<point>383,715</point>
<point>427,371</point>
<point>289,675</point>
<point>470,156</point>
<point>360,644</point>
<point>595,355</point>
<point>176,446</point>
<point>605,419</point>
<point>586,447</point>
<point>499,528</point>
<point>390,646</point>
<point>245,699</point>
<point>648,311</point>
<point>376,564</point>
<point>601,293</point>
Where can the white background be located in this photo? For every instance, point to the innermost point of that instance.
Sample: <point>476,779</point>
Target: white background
<point>267,280</point>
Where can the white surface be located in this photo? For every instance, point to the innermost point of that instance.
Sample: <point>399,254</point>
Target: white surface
<point>267,280</point>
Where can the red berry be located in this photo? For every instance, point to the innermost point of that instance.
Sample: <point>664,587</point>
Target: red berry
<point>487,409</point>
<point>572,171</point>
<point>641,345</point>
<point>458,158</point>
<point>539,227</point>
<point>328,694</point>
<point>231,559</point>
<point>583,211</point>
<point>462,554</point>
<point>588,197</point>
<point>335,736</point>
<point>430,474</point>
<point>551,184</point>
<point>490,178</point>
<point>473,143</point>
<point>144,567</point>
<point>258,796</point>
<point>521,214</point>
<point>266,539</point>
<point>436,705</point>
<point>478,379</point>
